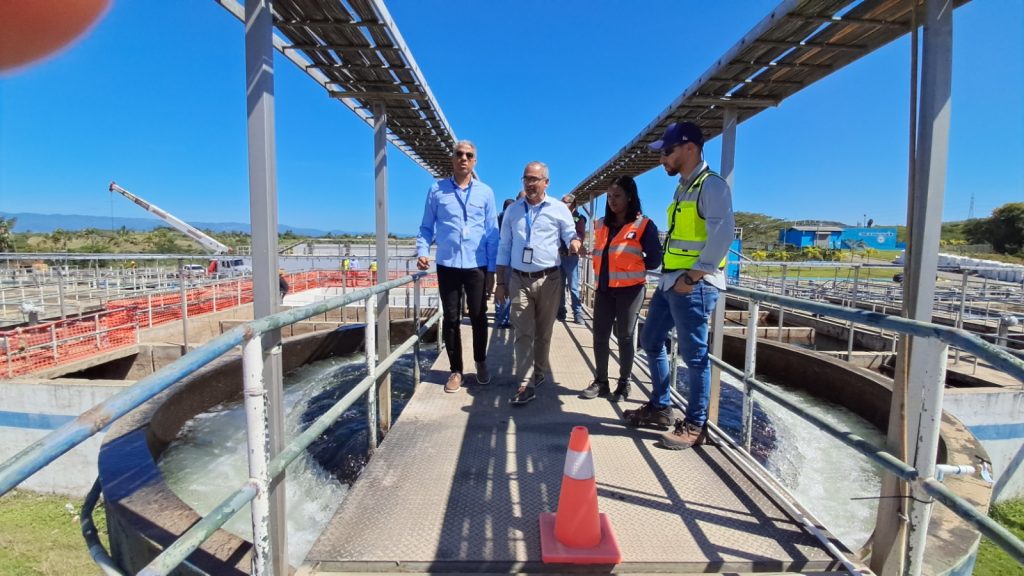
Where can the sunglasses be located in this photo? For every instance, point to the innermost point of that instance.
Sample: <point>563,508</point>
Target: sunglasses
<point>467,155</point>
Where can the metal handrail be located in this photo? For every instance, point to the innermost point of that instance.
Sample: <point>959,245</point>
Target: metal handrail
<point>177,552</point>
<point>40,453</point>
<point>957,337</point>
<point>888,462</point>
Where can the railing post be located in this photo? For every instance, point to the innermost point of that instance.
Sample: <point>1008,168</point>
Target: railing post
<point>9,354</point>
<point>259,451</point>
<point>370,344</point>
<point>238,292</point>
<point>673,359</point>
<point>184,308</point>
<point>60,292</point>
<point>749,371</point>
<point>53,339</point>
<point>98,345</point>
<point>960,314</point>
<point>416,323</point>
<point>853,304</point>
<point>149,307</point>
<point>782,292</point>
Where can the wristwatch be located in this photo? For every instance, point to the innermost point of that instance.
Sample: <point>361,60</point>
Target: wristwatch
<point>688,280</point>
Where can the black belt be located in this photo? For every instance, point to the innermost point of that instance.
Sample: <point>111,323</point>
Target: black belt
<point>539,273</point>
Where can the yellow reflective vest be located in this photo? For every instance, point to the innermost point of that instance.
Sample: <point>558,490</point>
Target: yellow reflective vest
<point>687,231</point>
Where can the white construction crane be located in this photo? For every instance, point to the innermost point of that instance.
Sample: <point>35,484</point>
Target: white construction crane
<point>192,232</point>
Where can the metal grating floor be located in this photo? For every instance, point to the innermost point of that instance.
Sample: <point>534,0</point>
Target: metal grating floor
<point>459,483</point>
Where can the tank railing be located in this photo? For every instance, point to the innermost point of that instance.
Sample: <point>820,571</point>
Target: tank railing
<point>40,453</point>
<point>888,462</point>
<point>252,490</point>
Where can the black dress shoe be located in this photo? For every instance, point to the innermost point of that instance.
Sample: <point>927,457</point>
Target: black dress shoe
<point>594,390</point>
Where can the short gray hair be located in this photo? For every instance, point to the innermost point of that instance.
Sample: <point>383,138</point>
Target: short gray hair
<point>543,168</point>
<point>463,143</point>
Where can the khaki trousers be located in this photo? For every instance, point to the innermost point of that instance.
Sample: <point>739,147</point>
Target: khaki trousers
<point>534,304</point>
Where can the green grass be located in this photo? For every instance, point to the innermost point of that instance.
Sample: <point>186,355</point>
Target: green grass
<point>992,561</point>
<point>40,535</point>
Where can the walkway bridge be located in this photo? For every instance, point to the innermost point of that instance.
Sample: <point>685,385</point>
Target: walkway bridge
<point>460,481</point>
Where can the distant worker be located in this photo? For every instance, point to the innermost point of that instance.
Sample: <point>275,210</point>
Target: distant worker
<point>282,284</point>
<point>460,216</point>
<point>530,234</point>
<point>571,266</point>
<point>503,308</point>
<point>626,246</point>
<point>700,231</point>
<point>345,264</point>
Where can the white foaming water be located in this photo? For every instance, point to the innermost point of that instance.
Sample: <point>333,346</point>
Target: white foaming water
<point>207,462</point>
<point>835,482</point>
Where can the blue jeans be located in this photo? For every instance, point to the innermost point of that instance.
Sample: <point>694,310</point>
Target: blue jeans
<point>571,277</point>
<point>689,314</point>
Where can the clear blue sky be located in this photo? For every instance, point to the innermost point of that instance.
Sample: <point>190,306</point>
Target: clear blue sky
<point>153,98</point>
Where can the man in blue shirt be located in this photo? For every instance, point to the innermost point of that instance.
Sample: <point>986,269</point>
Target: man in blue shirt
<point>530,234</point>
<point>460,217</point>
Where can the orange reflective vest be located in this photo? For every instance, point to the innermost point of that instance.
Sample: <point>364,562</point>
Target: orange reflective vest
<point>626,256</point>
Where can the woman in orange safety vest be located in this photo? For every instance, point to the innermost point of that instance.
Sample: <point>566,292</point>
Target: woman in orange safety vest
<point>626,245</point>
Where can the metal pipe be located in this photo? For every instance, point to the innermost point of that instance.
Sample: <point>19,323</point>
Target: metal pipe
<point>40,453</point>
<point>782,292</point>
<point>184,307</point>
<point>749,371</point>
<point>255,394</point>
<point>1000,359</point>
<point>417,321</point>
<point>960,314</point>
<point>853,304</point>
<point>91,535</point>
<point>370,345</point>
<point>191,540</point>
<point>202,530</point>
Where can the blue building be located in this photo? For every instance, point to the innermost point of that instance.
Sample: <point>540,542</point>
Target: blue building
<point>879,238</point>
<point>806,236</point>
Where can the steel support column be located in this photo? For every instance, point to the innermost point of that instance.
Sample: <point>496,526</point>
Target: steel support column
<point>927,361</point>
<point>718,317</point>
<point>380,171</point>
<point>259,82</point>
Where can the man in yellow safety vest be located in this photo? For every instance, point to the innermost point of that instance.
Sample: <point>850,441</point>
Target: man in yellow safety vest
<point>700,231</point>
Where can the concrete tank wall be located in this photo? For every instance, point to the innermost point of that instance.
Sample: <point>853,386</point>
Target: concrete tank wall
<point>996,417</point>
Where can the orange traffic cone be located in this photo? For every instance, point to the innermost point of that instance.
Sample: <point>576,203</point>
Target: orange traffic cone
<point>578,533</point>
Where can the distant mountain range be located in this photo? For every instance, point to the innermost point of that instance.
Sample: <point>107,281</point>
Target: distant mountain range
<point>28,221</point>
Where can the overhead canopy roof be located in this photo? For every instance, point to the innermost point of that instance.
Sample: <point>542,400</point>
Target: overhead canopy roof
<point>797,44</point>
<point>354,50</point>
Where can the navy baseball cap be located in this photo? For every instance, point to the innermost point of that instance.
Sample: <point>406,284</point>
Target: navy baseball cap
<point>679,133</point>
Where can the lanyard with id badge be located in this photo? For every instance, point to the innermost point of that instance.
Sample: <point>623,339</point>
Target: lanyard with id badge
<point>464,204</point>
<point>527,250</point>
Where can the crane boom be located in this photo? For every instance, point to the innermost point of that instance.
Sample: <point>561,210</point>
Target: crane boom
<point>180,225</point>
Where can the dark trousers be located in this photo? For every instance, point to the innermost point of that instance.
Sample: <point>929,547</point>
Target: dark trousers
<point>452,282</point>
<point>618,307</point>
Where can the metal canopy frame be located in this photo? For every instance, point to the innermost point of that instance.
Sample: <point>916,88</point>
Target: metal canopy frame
<point>353,49</point>
<point>797,44</point>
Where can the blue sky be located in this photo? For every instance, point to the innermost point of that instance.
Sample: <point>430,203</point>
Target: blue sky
<point>153,98</point>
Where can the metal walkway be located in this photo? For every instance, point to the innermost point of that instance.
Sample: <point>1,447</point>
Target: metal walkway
<point>460,481</point>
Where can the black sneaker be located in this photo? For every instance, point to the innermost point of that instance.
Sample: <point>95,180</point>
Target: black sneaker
<point>649,415</point>
<point>595,390</point>
<point>539,380</point>
<point>523,396</point>
<point>621,391</point>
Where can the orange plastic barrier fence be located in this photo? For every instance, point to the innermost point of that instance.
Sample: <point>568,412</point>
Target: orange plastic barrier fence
<point>34,348</point>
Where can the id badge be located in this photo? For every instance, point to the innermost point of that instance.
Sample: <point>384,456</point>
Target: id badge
<point>527,255</point>
<point>465,232</point>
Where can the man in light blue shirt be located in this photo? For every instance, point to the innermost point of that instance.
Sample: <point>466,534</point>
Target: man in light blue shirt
<point>460,217</point>
<point>530,235</point>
